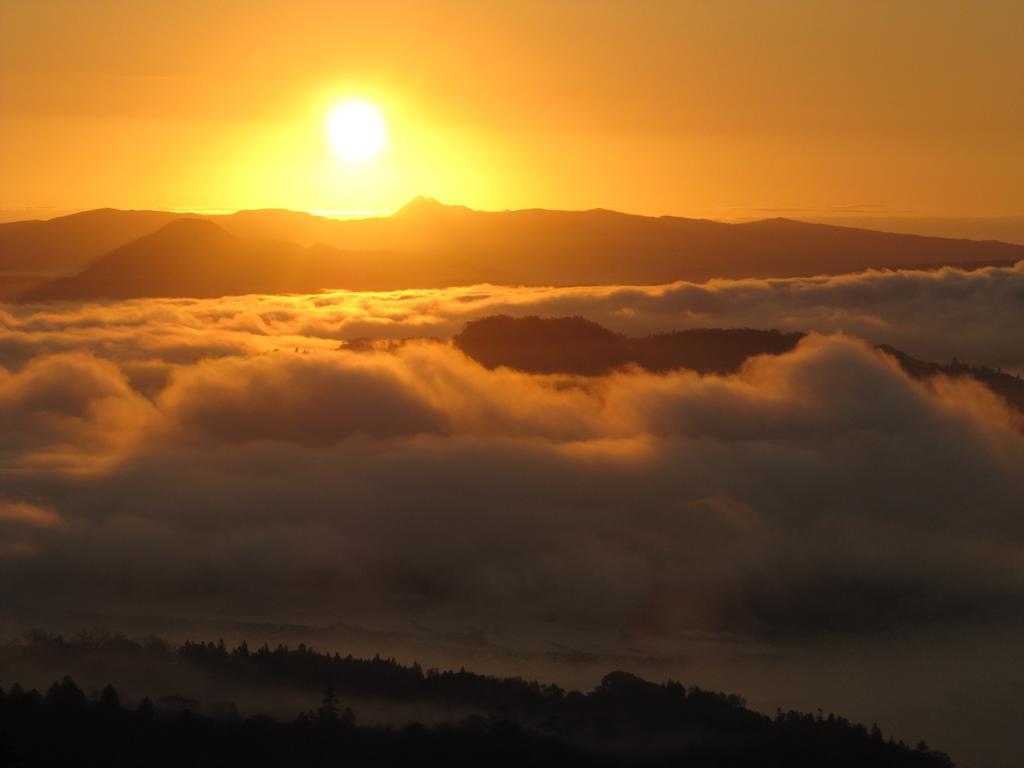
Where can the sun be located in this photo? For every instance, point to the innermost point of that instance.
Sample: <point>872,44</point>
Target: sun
<point>357,130</point>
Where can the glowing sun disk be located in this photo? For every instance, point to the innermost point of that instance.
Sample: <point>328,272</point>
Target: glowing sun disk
<point>356,130</point>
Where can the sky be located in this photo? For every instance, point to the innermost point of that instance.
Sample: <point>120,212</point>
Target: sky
<point>723,109</point>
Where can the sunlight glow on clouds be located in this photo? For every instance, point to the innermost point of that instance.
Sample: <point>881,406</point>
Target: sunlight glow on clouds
<point>231,444</point>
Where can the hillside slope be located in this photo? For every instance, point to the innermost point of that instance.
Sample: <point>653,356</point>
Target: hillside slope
<point>197,258</point>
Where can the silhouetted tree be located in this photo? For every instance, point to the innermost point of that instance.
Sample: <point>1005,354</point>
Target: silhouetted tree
<point>328,712</point>
<point>109,701</point>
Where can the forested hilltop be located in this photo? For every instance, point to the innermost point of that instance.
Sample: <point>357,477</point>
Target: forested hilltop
<point>478,720</point>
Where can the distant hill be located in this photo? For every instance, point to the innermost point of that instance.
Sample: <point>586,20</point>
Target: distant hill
<point>1007,386</point>
<point>576,346</point>
<point>1009,229</point>
<point>428,244</point>
<point>599,246</point>
<point>195,257</point>
<point>12,287</point>
<point>69,243</point>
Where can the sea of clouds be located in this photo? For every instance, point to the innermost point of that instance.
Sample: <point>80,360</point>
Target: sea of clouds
<point>225,458</point>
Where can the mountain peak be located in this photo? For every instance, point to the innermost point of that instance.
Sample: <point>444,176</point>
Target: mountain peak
<point>422,206</point>
<point>188,229</point>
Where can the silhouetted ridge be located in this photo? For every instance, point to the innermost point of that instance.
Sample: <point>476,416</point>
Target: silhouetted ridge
<point>68,243</point>
<point>189,233</point>
<point>1007,386</point>
<point>198,258</point>
<point>708,350</point>
<point>422,206</point>
<point>574,345</point>
<point>624,721</point>
<point>428,244</point>
<point>550,345</point>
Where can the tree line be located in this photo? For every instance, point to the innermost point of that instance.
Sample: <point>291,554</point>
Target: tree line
<point>625,720</point>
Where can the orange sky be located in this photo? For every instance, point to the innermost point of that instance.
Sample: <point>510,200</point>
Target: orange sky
<point>700,108</point>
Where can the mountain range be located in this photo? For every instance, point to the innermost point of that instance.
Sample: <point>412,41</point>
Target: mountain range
<point>113,254</point>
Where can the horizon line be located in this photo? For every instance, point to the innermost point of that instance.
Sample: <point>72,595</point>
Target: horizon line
<point>739,213</point>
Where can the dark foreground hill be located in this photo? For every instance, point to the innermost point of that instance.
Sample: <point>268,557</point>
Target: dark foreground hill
<point>427,245</point>
<point>480,720</point>
<point>577,346</point>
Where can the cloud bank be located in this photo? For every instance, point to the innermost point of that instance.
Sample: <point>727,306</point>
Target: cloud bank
<point>225,458</point>
<point>933,315</point>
